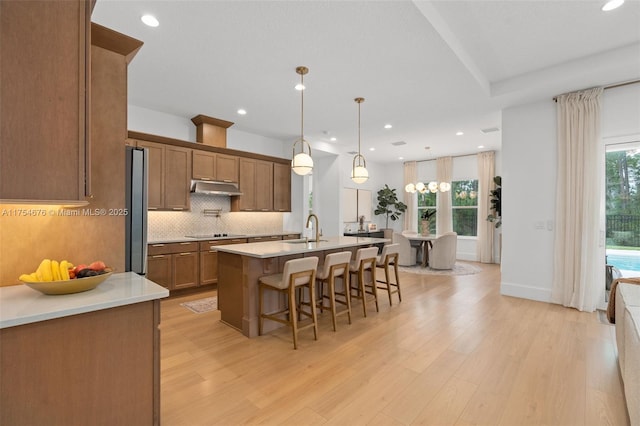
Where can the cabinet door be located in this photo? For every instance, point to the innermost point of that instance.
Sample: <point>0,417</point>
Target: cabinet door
<point>247,201</point>
<point>156,174</point>
<point>208,267</point>
<point>177,178</point>
<point>204,165</point>
<point>364,204</point>
<point>349,205</point>
<point>185,270</point>
<point>227,168</point>
<point>159,269</point>
<point>44,154</point>
<point>264,186</point>
<point>281,187</point>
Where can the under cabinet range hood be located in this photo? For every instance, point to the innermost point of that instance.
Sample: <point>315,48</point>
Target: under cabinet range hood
<point>214,188</point>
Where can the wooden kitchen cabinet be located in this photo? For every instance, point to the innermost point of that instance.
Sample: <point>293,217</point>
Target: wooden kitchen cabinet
<point>169,176</point>
<point>44,64</point>
<point>256,185</point>
<point>281,187</point>
<point>174,265</point>
<point>214,166</point>
<point>209,259</point>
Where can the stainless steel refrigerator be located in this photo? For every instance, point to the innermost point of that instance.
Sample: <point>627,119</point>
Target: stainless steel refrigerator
<point>137,162</point>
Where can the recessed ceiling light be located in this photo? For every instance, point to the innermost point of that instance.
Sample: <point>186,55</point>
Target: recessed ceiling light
<point>612,4</point>
<point>333,139</point>
<point>300,86</point>
<point>400,158</point>
<point>388,126</point>
<point>459,133</point>
<point>242,111</point>
<point>372,149</point>
<point>150,20</point>
<point>480,146</point>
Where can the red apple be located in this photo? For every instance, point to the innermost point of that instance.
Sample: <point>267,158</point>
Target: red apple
<point>98,265</point>
<point>79,268</point>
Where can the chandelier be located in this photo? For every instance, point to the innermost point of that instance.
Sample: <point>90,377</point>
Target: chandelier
<point>302,163</point>
<point>432,186</point>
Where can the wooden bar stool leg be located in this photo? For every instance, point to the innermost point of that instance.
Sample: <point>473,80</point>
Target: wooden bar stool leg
<point>293,315</point>
<point>388,281</point>
<point>374,286</point>
<point>361,291</point>
<point>347,293</point>
<point>395,267</point>
<point>332,300</point>
<point>260,304</point>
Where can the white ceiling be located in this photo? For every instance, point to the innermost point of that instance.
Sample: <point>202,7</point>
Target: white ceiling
<point>429,68</point>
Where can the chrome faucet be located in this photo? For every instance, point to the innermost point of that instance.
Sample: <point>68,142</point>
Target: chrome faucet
<point>317,226</point>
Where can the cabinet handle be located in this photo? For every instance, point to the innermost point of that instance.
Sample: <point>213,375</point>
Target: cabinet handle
<point>157,245</point>
<point>184,254</point>
<point>213,251</point>
<point>227,180</point>
<point>177,208</point>
<point>185,243</point>
<point>158,256</point>
<point>152,208</point>
<point>264,210</point>
<point>204,178</point>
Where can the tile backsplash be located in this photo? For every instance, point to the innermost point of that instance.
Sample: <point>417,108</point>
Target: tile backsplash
<point>171,225</point>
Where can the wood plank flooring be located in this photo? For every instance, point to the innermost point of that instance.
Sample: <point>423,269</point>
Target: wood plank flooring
<point>454,352</point>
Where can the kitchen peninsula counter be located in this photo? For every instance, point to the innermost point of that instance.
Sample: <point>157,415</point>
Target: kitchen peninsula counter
<point>241,265</point>
<point>70,359</point>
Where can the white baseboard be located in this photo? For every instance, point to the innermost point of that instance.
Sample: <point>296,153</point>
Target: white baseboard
<point>526,292</point>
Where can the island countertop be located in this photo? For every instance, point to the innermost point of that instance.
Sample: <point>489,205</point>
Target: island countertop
<point>264,250</point>
<point>21,305</point>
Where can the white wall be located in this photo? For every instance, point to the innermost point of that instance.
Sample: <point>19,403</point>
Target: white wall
<point>528,199</point>
<point>529,186</point>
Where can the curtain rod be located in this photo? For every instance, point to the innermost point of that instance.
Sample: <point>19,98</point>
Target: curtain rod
<point>610,86</point>
<point>452,156</point>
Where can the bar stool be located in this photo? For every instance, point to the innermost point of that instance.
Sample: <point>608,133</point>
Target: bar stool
<point>297,274</point>
<point>335,265</point>
<point>389,257</point>
<point>365,261</point>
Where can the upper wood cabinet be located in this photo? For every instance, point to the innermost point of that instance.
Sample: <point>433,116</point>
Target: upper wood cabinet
<point>44,64</point>
<point>169,176</point>
<point>214,166</point>
<point>281,187</point>
<point>256,185</point>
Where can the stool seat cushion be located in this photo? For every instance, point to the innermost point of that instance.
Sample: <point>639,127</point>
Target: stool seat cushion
<point>330,260</point>
<point>365,253</point>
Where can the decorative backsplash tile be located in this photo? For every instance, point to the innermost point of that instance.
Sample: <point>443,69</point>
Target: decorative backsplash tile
<point>171,225</point>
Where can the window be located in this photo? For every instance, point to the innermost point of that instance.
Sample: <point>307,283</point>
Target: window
<point>464,207</point>
<point>426,201</point>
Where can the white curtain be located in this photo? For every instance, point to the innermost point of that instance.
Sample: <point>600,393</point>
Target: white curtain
<point>443,215</point>
<point>578,264</point>
<point>486,173</point>
<point>411,200</point>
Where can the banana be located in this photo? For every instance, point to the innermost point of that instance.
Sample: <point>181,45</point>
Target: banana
<point>55,270</point>
<point>27,278</point>
<point>34,276</point>
<point>64,270</point>
<point>44,270</point>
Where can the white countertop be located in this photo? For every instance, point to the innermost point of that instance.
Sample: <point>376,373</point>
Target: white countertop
<point>286,247</point>
<point>21,305</point>
<point>180,239</point>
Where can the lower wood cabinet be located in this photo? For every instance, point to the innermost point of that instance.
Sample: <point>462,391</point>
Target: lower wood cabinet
<point>174,265</point>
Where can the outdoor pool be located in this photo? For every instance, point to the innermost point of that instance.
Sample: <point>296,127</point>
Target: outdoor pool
<point>625,260</point>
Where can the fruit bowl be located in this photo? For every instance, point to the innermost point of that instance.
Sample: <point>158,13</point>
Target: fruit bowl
<point>75,285</point>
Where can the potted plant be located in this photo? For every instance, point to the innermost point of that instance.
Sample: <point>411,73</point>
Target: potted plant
<point>496,202</point>
<point>389,205</point>
<point>426,215</point>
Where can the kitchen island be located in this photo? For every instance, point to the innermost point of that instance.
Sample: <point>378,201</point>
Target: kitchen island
<point>84,358</point>
<point>241,265</point>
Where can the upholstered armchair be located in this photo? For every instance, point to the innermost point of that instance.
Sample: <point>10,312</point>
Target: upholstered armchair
<point>407,253</point>
<point>443,253</point>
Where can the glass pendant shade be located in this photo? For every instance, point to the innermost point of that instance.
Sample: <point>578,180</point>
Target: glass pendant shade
<point>359,173</point>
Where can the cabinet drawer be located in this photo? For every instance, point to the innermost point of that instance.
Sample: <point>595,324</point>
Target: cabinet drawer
<point>291,237</point>
<point>169,248</point>
<point>206,245</point>
<point>263,239</point>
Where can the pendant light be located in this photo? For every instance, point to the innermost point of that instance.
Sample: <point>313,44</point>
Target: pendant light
<point>302,163</point>
<point>359,173</point>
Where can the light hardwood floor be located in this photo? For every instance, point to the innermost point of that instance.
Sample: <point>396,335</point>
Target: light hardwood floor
<point>454,352</point>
